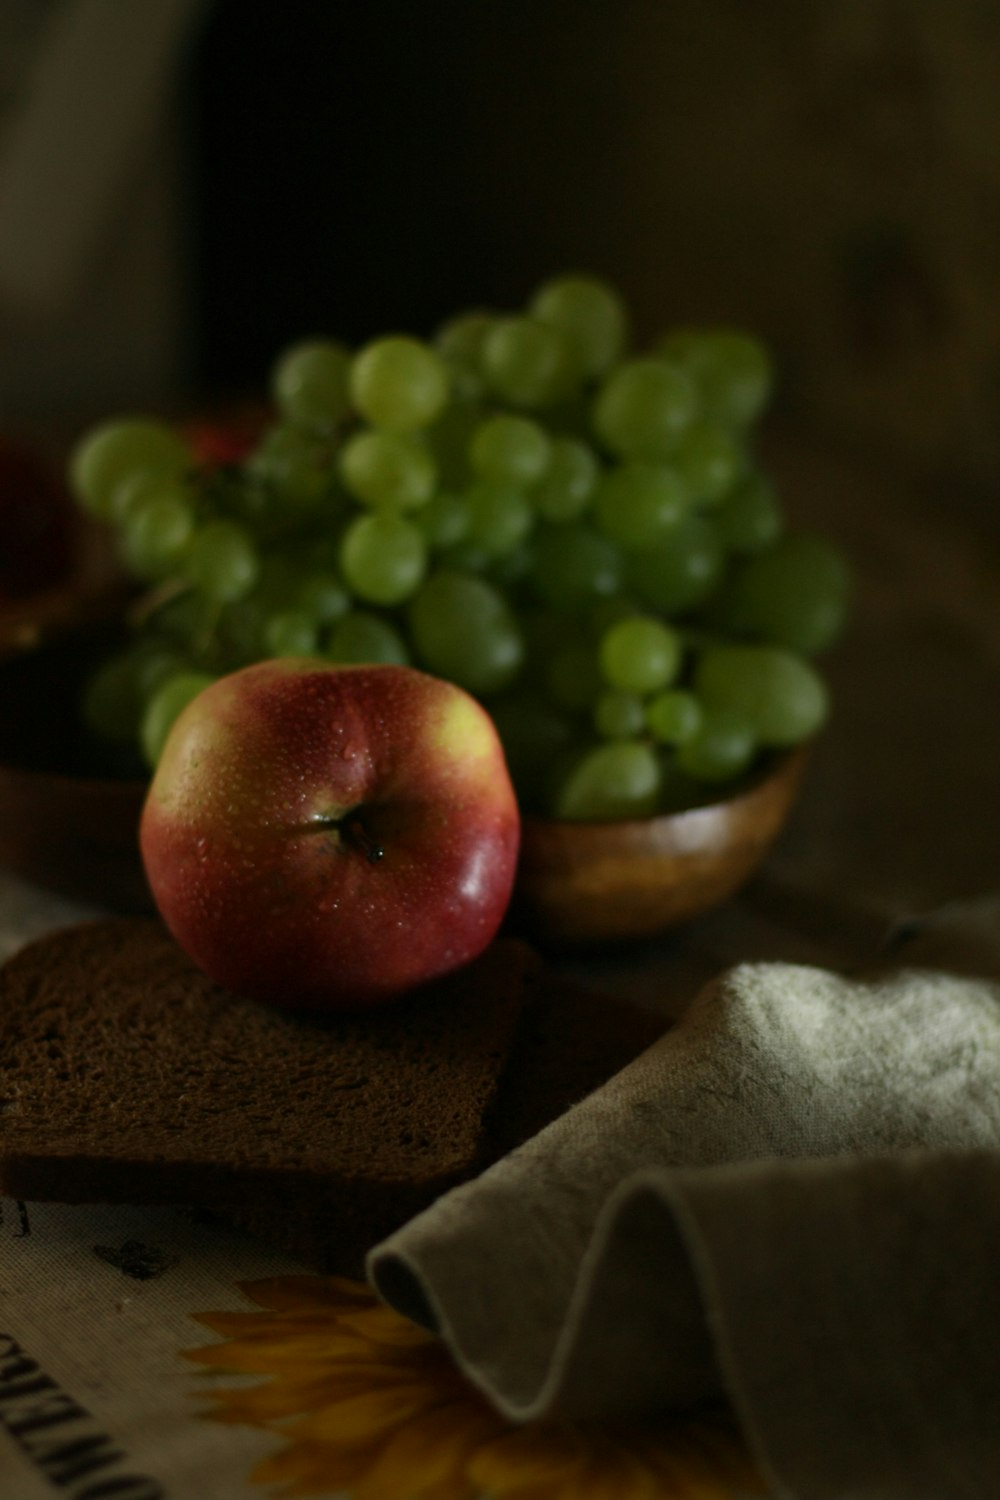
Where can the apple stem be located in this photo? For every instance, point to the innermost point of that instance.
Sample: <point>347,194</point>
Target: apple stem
<point>355,832</point>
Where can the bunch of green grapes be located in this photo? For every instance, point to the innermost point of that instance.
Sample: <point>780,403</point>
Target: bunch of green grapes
<point>576,531</point>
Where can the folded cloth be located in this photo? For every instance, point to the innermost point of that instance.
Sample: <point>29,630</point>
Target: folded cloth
<point>792,1199</point>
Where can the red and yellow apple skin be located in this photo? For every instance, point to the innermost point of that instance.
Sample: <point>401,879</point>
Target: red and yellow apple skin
<point>329,837</point>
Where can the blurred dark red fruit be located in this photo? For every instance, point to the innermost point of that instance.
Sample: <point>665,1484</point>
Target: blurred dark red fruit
<point>219,441</point>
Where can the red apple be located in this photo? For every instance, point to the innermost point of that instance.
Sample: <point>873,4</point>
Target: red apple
<point>330,836</point>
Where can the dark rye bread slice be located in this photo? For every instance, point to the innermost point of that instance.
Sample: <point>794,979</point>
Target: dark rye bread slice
<point>127,1076</point>
<point>569,1041</point>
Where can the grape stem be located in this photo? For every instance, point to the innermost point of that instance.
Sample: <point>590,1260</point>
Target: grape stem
<point>141,610</point>
<point>202,641</point>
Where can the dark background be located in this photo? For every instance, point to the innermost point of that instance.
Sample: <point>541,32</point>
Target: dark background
<point>828,175</point>
<point>824,174</point>
<point>363,167</point>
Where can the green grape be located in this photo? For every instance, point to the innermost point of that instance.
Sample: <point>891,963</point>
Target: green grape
<point>574,566</point>
<point>116,693</point>
<point>680,569</point>
<point>525,362</point>
<point>732,371</point>
<point>510,567</point>
<point>448,440</point>
<point>643,407</point>
<point>619,716</point>
<point>533,733</point>
<point>749,518</point>
<point>673,717</point>
<point>460,338</point>
<point>221,562</point>
<point>309,383</point>
<point>721,749</point>
<point>638,502</point>
<point>132,492</point>
<point>463,629</point>
<point>119,450</point>
<point>322,597</point>
<point>112,699</point>
<point>795,595</point>
<point>459,341</point>
<point>290,632</point>
<point>164,708</point>
<point>572,676</point>
<point>238,631</point>
<point>182,618</point>
<point>640,655</point>
<point>499,519</point>
<point>569,482</point>
<point>388,468</point>
<point>783,698</point>
<point>569,416</point>
<point>362,636</point>
<point>157,533</point>
<point>383,558</point>
<point>293,466</point>
<point>466,557</point>
<point>543,632</point>
<point>591,317</point>
<point>277,577</point>
<point>509,449</point>
<point>709,460</point>
<point>444,520</point>
<point>153,662</point>
<point>619,780</point>
<point>398,383</point>
<point>575,498</point>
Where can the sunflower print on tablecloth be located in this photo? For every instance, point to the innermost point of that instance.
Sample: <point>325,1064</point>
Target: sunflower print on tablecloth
<point>366,1402</point>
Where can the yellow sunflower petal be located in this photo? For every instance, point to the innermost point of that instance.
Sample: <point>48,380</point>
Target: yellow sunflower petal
<point>611,1471</point>
<point>311,1469</point>
<point>383,1326</point>
<point>366,1413</point>
<point>258,1356</point>
<point>363,1400</point>
<point>437,1449</point>
<point>536,1451</point>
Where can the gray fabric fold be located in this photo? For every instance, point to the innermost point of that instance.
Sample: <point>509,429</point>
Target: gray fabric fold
<point>767,1203</point>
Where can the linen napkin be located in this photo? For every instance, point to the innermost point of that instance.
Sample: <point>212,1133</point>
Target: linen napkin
<point>792,1199</point>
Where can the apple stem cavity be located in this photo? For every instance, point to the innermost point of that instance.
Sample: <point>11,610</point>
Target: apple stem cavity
<point>355,834</point>
<point>351,833</point>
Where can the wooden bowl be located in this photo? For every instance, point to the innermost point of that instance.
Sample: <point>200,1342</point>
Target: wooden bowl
<point>64,824</point>
<point>74,835</point>
<point>587,883</point>
<point>76,832</point>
